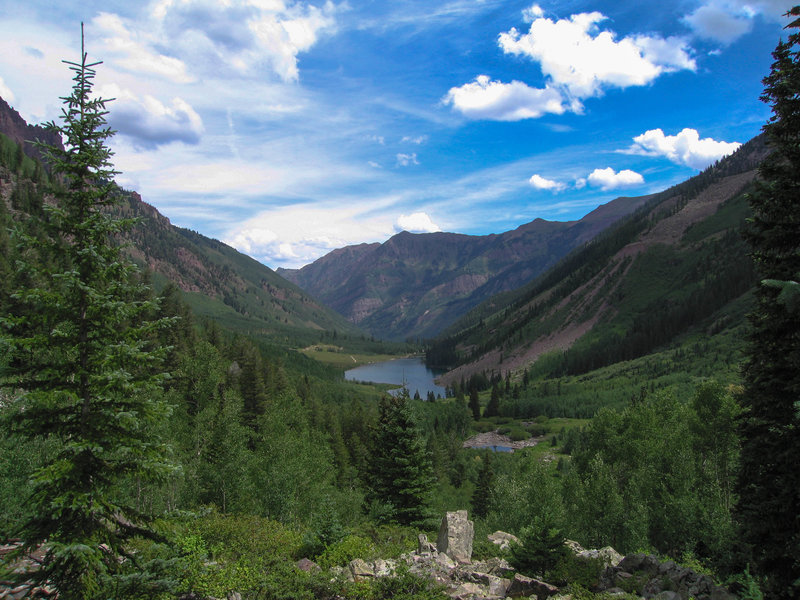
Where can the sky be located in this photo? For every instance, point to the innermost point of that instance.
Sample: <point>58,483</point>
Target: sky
<point>290,128</point>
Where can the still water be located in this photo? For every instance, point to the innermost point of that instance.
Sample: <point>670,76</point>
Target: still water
<point>411,371</point>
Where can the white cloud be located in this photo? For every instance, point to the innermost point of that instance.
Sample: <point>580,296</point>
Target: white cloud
<point>130,48</point>
<point>574,54</point>
<point>685,148</point>
<point>149,122</point>
<point>486,99</point>
<point>608,179</point>
<point>725,21</point>
<point>418,222</point>
<point>6,93</point>
<point>296,235</point>
<point>186,40</point>
<point>243,36</point>
<point>541,183</point>
<point>418,140</point>
<point>406,160</point>
<point>531,14</point>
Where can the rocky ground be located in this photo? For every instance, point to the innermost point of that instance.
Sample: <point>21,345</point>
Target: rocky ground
<point>449,563</point>
<point>492,438</point>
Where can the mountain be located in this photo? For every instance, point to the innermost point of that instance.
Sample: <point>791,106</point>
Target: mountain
<point>677,265</point>
<point>217,281</point>
<point>14,126</point>
<point>415,285</point>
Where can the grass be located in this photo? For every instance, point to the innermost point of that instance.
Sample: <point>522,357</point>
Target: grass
<point>338,357</point>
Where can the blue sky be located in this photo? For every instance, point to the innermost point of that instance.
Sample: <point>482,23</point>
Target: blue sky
<point>290,128</point>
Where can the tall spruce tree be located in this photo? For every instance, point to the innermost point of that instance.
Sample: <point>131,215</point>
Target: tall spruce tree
<point>81,361</point>
<point>401,469</point>
<point>769,480</point>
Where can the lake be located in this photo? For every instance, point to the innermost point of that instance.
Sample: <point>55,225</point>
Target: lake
<point>412,371</point>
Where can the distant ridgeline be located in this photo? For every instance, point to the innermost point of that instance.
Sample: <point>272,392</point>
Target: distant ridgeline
<point>677,265</point>
<point>415,285</point>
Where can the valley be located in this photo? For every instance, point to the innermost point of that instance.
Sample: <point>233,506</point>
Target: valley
<point>182,422</point>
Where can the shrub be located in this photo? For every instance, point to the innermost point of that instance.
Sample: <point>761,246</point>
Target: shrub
<point>483,426</point>
<point>347,549</point>
<point>517,434</point>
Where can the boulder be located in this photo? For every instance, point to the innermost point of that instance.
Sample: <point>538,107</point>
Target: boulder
<point>522,586</point>
<point>502,539</point>
<point>308,565</point>
<point>467,591</point>
<point>423,545</point>
<point>361,570</point>
<point>455,536</point>
<point>607,556</point>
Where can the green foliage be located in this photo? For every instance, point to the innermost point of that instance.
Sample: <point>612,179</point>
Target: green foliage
<point>482,498</point>
<point>745,586</point>
<point>82,358</point>
<point>769,480</point>
<point>540,549</point>
<point>569,569</point>
<point>347,549</point>
<point>657,474</point>
<point>401,470</point>
<point>324,531</point>
<point>528,494</point>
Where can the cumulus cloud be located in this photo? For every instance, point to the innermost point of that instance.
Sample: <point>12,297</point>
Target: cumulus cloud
<point>486,99</point>
<point>541,183</point>
<point>293,236</point>
<point>685,148</point>
<point>574,54</point>
<point>149,122</point>
<point>608,179</point>
<point>725,21</point>
<point>245,35</point>
<point>418,140</point>
<point>5,92</point>
<point>418,222</point>
<point>132,49</point>
<point>406,160</point>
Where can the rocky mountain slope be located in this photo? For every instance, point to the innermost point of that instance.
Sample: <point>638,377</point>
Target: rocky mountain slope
<point>414,285</point>
<point>217,281</point>
<point>677,264</point>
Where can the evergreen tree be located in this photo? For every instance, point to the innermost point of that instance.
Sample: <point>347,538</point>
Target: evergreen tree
<point>482,498</point>
<point>80,361</point>
<point>493,406</point>
<point>769,480</point>
<point>401,470</point>
<point>474,403</point>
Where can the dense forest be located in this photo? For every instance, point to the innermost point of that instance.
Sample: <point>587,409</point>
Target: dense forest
<point>151,451</point>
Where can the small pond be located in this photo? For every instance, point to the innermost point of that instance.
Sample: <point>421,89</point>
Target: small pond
<point>411,371</point>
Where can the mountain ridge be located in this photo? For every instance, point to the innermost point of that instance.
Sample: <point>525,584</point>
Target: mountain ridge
<point>415,284</point>
<point>672,264</point>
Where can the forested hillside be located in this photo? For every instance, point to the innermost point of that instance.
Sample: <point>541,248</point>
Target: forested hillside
<point>677,266</point>
<point>217,281</point>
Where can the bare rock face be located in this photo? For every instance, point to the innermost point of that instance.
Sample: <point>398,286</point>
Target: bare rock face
<point>455,536</point>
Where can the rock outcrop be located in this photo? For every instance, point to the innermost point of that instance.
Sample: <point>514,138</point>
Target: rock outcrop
<point>455,536</point>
